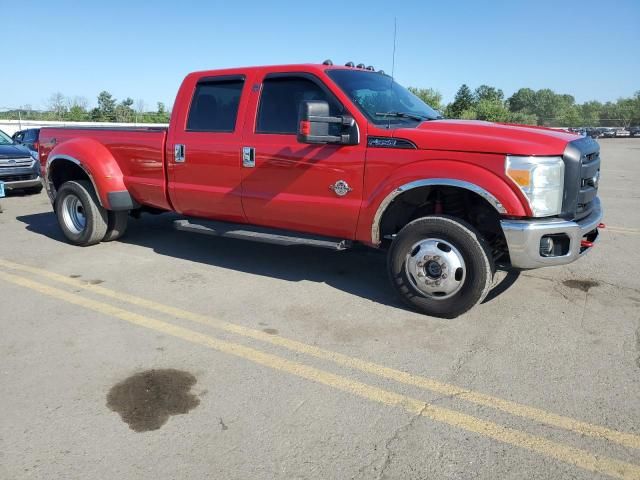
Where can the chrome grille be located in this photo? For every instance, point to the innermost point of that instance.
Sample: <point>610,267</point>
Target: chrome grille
<point>16,162</point>
<point>581,177</point>
<point>589,179</point>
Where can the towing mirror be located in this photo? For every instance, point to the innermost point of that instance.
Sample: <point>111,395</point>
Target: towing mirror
<point>314,121</point>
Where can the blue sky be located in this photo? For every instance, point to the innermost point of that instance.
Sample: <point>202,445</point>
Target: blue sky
<point>590,49</point>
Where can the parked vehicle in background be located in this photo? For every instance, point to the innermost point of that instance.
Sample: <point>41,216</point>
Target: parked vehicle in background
<point>592,132</point>
<point>19,170</point>
<point>634,131</point>
<point>28,138</point>
<point>622,132</point>
<point>608,132</point>
<point>326,156</point>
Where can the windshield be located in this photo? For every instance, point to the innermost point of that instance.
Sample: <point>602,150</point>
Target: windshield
<point>5,139</point>
<point>382,100</point>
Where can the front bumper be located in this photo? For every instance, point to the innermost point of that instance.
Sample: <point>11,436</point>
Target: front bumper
<point>16,178</point>
<point>523,238</point>
<point>20,184</point>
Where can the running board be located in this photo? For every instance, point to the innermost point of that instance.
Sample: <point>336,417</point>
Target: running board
<point>259,234</point>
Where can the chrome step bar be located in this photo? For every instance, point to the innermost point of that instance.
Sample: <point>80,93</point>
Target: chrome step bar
<point>259,234</point>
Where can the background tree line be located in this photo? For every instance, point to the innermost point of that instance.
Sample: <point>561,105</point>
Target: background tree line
<point>533,107</point>
<point>76,109</point>
<point>526,106</point>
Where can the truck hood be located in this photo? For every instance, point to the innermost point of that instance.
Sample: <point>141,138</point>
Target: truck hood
<point>14,151</point>
<point>486,137</point>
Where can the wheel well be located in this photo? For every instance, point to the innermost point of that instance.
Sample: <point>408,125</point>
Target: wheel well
<point>61,171</point>
<point>440,199</point>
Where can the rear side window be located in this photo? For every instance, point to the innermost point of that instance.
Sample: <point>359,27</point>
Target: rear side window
<point>280,101</point>
<point>31,136</point>
<point>215,106</point>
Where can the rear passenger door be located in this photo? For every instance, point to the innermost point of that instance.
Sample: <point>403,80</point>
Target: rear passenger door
<point>204,163</point>
<point>288,184</point>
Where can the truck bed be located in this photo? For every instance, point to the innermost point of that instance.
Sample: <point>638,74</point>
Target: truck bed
<point>139,152</point>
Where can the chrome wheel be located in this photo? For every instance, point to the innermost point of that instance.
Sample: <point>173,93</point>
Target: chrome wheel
<point>73,214</point>
<point>435,268</point>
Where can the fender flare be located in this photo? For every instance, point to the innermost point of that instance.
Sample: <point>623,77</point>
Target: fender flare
<point>100,167</point>
<point>504,193</point>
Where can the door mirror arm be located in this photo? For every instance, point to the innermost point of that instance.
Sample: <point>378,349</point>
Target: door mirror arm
<point>314,121</point>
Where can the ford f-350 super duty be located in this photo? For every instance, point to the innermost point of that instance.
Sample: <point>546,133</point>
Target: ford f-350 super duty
<point>330,156</point>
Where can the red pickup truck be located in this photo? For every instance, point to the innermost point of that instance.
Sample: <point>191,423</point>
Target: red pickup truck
<point>328,156</point>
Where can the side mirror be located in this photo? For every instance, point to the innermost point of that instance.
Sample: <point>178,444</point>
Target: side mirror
<point>314,121</point>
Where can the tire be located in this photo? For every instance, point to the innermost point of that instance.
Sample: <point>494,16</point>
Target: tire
<point>116,225</point>
<point>440,266</point>
<point>80,215</point>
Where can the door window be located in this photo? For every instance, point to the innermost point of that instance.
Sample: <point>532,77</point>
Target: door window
<point>215,106</point>
<point>280,101</point>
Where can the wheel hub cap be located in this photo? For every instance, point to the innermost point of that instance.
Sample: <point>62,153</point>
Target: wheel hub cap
<point>73,214</point>
<point>435,268</point>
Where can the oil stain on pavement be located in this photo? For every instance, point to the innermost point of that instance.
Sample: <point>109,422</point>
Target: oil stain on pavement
<point>584,285</point>
<point>146,400</point>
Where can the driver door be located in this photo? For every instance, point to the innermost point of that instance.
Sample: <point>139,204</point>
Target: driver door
<point>290,185</point>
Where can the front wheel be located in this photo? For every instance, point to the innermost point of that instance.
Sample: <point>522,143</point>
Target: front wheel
<point>440,265</point>
<point>81,217</point>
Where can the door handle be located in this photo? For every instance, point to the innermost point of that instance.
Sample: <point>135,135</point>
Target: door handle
<point>248,157</point>
<point>179,151</point>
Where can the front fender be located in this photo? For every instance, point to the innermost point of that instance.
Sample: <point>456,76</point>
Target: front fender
<point>99,164</point>
<point>479,180</point>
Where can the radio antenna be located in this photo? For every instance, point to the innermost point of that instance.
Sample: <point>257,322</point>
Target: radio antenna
<point>395,35</point>
<point>393,68</point>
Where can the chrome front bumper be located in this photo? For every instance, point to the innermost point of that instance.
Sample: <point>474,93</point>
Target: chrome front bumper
<point>523,238</point>
<point>20,184</point>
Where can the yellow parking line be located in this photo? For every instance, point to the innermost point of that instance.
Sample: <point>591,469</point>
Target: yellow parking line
<point>513,408</point>
<point>571,455</point>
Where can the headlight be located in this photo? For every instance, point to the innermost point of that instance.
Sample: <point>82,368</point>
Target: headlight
<point>541,179</point>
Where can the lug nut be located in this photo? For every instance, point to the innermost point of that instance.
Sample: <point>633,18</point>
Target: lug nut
<point>420,274</point>
<point>443,276</point>
<point>436,258</point>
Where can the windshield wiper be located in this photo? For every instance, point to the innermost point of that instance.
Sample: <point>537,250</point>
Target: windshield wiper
<point>412,116</point>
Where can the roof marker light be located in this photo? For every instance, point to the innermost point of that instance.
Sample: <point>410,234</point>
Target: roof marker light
<point>350,64</point>
<point>327,62</point>
<point>360,65</point>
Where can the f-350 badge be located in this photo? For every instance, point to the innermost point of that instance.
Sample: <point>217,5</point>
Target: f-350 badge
<point>340,188</point>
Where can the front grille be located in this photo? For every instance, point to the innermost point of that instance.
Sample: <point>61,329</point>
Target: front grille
<point>17,178</point>
<point>15,162</point>
<point>589,179</point>
<point>582,175</point>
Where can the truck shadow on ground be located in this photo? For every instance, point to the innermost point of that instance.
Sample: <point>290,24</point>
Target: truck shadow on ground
<point>360,271</point>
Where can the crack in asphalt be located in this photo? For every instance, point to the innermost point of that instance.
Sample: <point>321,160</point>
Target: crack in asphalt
<point>396,435</point>
<point>389,454</point>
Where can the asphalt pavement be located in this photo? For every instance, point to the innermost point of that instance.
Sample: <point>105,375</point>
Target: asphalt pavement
<point>170,355</point>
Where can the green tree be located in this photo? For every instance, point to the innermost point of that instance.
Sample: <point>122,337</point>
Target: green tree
<point>106,107</point>
<point>124,111</point>
<point>491,110</point>
<point>431,97</point>
<point>522,118</point>
<point>491,94</point>
<point>524,100</point>
<point>462,101</point>
<point>590,113</point>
